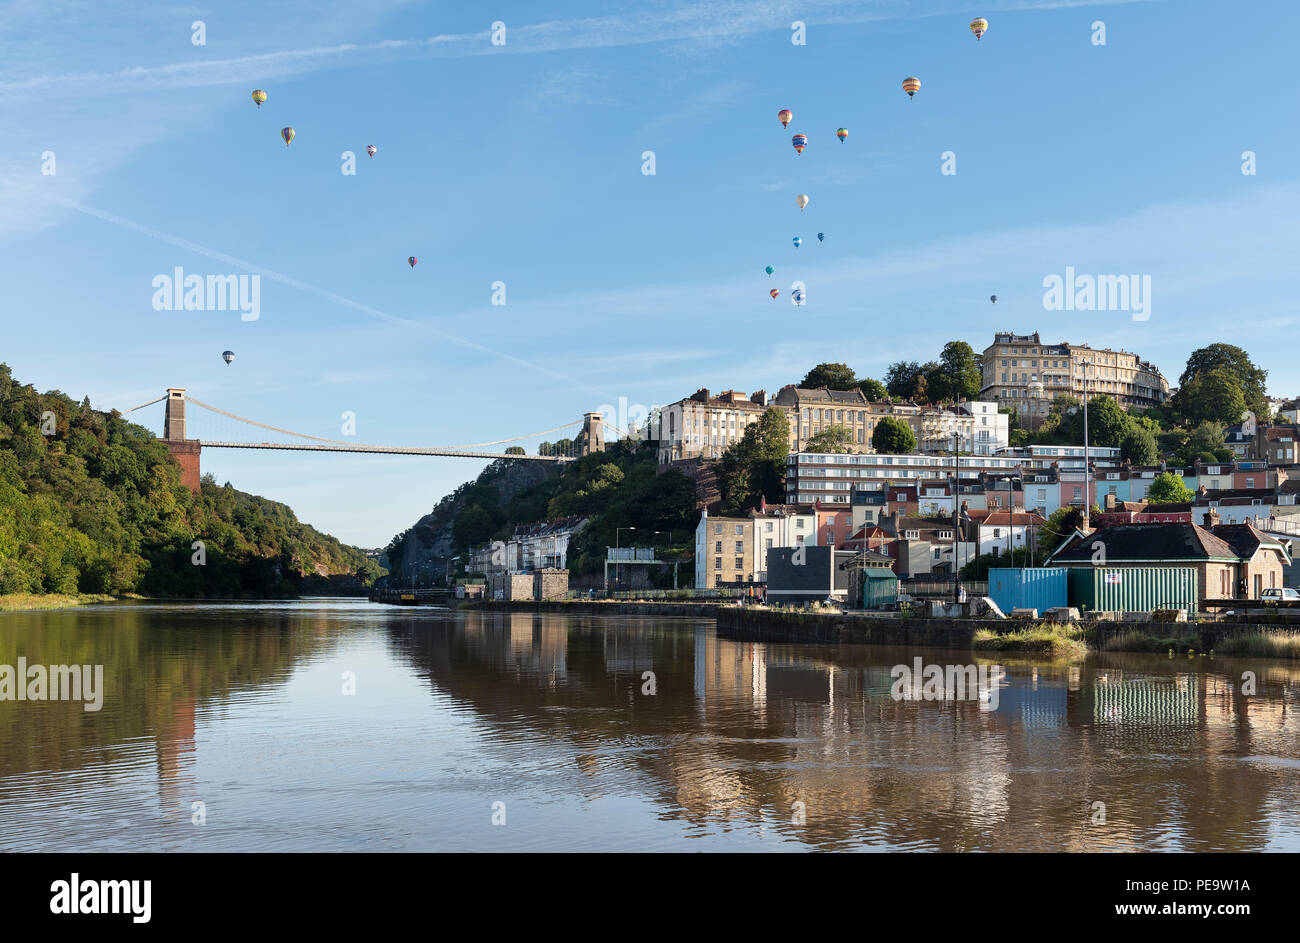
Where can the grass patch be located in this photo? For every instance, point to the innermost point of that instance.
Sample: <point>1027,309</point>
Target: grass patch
<point>1269,643</point>
<point>17,602</point>
<point>1056,640</point>
<point>1138,642</point>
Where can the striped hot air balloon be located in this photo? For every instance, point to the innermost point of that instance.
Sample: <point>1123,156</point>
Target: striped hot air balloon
<point>227,356</point>
<point>841,133</point>
<point>774,292</point>
<point>798,241</point>
<point>411,261</point>
<point>370,149</point>
<point>287,134</point>
<point>785,116</point>
<point>978,26</point>
<point>259,96</point>
<point>800,141</point>
<point>911,85</point>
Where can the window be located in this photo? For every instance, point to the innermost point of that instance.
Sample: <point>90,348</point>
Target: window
<point>717,563</point>
<point>717,528</point>
<point>740,546</point>
<point>740,563</point>
<point>740,529</point>
<point>717,546</point>
<point>768,528</point>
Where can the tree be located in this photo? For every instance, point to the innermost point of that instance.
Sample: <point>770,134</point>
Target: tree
<point>473,526</point>
<point>873,390</point>
<point>893,437</point>
<point>1205,439</point>
<point>1214,396</point>
<point>1237,362</point>
<point>833,376</point>
<point>957,375</point>
<point>754,467</point>
<point>516,450</point>
<point>831,439</point>
<point>1168,488</point>
<point>1107,422</point>
<point>903,378</point>
<point>1139,446</point>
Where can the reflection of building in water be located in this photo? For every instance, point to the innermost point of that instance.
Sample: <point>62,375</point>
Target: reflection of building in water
<point>174,742</point>
<point>730,674</point>
<point>630,649</point>
<point>1157,701</point>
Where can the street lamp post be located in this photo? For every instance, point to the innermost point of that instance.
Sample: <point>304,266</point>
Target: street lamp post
<point>956,534</point>
<point>1011,560</point>
<point>1087,503</point>
<point>618,565</point>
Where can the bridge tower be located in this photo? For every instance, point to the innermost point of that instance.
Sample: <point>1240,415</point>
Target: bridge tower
<point>592,437</point>
<point>185,451</point>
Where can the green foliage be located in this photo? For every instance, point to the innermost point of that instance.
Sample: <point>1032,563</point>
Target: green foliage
<point>1107,422</point>
<point>956,376</point>
<point>831,439</point>
<point>98,507</point>
<point>1204,443</point>
<point>906,380</point>
<point>1061,523</point>
<point>834,376</point>
<point>873,390</point>
<point>1168,488</point>
<point>1139,446</point>
<point>893,437</point>
<point>977,568</point>
<point>1213,396</point>
<point>516,450</point>
<point>1237,364</point>
<point>754,467</point>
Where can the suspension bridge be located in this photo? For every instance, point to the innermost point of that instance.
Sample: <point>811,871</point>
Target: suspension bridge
<point>590,437</point>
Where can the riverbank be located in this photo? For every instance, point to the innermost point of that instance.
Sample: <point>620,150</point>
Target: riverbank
<point>1056,640</point>
<point>23,602</point>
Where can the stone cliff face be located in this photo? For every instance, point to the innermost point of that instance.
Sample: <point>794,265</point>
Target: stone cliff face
<point>427,546</point>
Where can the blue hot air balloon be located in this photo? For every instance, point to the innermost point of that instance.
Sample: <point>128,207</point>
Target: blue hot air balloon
<point>769,270</point>
<point>798,241</point>
<point>821,237</point>
<point>798,296</point>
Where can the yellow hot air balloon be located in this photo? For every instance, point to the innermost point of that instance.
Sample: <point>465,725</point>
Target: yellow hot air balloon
<point>287,134</point>
<point>802,200</point>
<point>978,26</point>
<point>259,96</point>
<point>910,85</point>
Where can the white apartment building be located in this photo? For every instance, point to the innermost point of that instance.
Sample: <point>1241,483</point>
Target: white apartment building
<point>781,526</point>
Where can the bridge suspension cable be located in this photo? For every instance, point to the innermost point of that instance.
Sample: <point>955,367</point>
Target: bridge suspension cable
<point>143,405</point>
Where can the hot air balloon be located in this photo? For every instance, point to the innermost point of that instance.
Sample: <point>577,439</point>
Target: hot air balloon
<point>411,261</point>
<point>821,237</point>
<point>259,96</point>
<point>911,85</point>
<point>800,141</point>
<point>774,292</point>
<point>769,270</point>
<point>227,356</point>
<point>841,133</point>
<point>370,149</point>
<point>287,134</point>
<point>802,200</point>
<point>978,26</point>
<point>993,298</point>
<point>785,116</point>
<point>798,296</point>
<point>798,241</point>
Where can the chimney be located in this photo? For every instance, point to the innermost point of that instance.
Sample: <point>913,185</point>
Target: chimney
<point>1211,518</point>
<point>760,397</point>
<point>1110,502</point>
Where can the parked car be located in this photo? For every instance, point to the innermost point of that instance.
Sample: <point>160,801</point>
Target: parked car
<point>1281,594</point>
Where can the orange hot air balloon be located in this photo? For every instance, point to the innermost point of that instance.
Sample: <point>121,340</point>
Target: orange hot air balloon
<point>287,134</point>
<point>259,96</point>
<point>911,85</point>
<point>774,292</point>
<point>978,26</point>
<point>785,116</point>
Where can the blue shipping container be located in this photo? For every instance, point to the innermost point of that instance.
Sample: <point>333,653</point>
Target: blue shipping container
<point>1040,588</point>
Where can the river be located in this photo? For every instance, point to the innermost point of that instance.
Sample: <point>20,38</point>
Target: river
<point>230,727</point>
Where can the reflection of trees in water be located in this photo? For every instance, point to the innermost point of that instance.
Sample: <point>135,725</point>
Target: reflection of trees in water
<point>159,662</point>
<point>739,732</point>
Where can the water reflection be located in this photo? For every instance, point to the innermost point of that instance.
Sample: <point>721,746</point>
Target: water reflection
<point>240,707</point>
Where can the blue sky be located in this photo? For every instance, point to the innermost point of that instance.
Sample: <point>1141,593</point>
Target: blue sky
<point>522,164</point>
